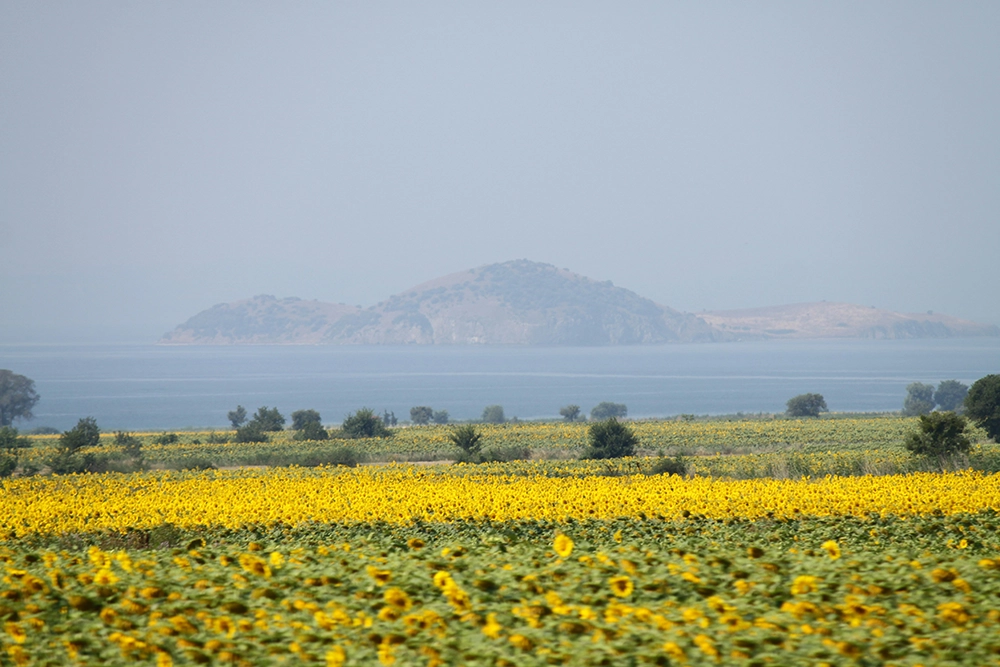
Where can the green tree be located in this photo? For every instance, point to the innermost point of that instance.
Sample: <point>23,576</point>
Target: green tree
<point>302,417</point>
<point>940,435</point>
<point>17,397</point>
<point>982,405</point>
<point>570,413</point>
<point>950,394</point>
<point>250,432</point>
<point>493,414</point>
<point>610,439</point>
<point>919,399</point>
<point>10,443</point>
<point>806,405</point>
<point>130,444</point>
<point>440,417</point>
<point>607,410</point>
<point>237,417</point>
<point>365,424</point>
<point>84,434</point>
<point>312,431</point>
<point>421,414</point>
<point>269,419</point>
<point>468,440</point>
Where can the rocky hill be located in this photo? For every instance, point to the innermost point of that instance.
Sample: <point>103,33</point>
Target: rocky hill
<point>527,303</point>
<point>840,320</point>
<point>514,303</point>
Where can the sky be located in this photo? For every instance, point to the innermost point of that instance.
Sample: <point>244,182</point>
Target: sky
<point>159,158</point>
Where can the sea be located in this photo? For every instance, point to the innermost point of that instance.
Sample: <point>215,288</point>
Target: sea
<point>153,387</point>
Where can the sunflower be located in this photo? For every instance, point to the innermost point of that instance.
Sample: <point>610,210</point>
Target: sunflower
<point>563,545</point>
<point>621,586</point>
<point>832,549</point>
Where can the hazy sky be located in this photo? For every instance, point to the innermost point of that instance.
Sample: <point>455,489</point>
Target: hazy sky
<point>159,158</point>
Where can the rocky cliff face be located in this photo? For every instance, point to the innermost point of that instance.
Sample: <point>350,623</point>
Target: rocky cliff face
<point>840,320</point>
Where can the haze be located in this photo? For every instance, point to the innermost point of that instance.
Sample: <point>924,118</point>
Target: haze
<point>158,158</point>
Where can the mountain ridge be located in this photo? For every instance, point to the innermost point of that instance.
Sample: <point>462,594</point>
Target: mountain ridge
<point>521,302</point>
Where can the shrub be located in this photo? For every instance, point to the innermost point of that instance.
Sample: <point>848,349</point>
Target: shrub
<point>252,432</point>
<point>131,445</point>
<point>217,438</point>
<point>237,417</point>
<point>940,435</point>
<point>302,418</point>
<point>505,454</point>
<point>950,394</point>
<point>610,439</point>
<point>982,405</point>
<point>166,439</point>
<point>570,413</point>
<point>268,419</point>
<point>84,434</point>
<point>421,414</point>
<point>670,466</point>
<point>440,417</point>
<point>9,439</point>
<point>469,441</point>
<point>311,431</point>
<point>338,456</point>
<point>806,405</point>
<point>606,410</point>
<point>43,430</point>
<point>365,424</point>
<point>493,414</point>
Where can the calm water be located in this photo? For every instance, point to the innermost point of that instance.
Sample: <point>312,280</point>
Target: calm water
<point>150,387</point>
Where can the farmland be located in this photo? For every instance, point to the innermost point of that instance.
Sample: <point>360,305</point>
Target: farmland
<point>535,562</point>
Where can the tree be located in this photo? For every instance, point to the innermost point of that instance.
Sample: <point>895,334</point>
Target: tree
<point>302,417</point>
<point>570,413</point>
<point>84,434</point>
<point>365,424</point>
<point>312,430</point>
<point>919,399</point>
<point>493,414</point>
<point>389,417</point>
<point>237,417</point>
<point>950,394</point>
<point>440,417</point>
<point>10,439</point>
<point>611,439</point>
<point>806,405</point>
<point>17,397</point>
<point>421,414</point>
<point>940,435</point>
<point>250,432</point>
<point>606,410</point>
<point>268,419</point>
<point>982,405</point>
<point>468,440</point>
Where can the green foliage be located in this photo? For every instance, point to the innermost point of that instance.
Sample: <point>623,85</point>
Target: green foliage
<point>131,445</point>
<point>670,466</point>
<point>493,414</point>
<point>166,439</point>
<point>806,405</point>
<point>365,424</point>
<point>505,454</point>
<point>982,405</point>
<point>607,410</point>
<point>468,439</point>
<point>237,417</point>
<point>300,418</point>
<point>311,430</point>
<point>950,394</point>
<point>610,439</point>
<point>217,438</point>
<point>84,434</point>
<point>570,413</point>
<point>919,399</point>
<point>17,397</point>
<point>43,430</point>
<point>440,417</point>
<point>9,439</point>
<point>252,432</point>
<point>940,435</point>
<point>421,414</point>
<point>268,419</point>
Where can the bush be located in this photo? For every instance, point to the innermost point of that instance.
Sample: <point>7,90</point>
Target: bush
<point>43,430</point>
<point>131,445</point>
<point>302,418</point>
<point>982,405</point>
<point>440,417</point>
<point>217,438</point>
<point>268,419</point>
<point>919,399</point>
<point>505,454</point>
<point>9,439</point>
<point>605,410</point>
<point>252,432</point>
<point>311,431</point>
<point>338,456</point>
<point>493,414</point>
<point>84,434</point>
<point>940,435</point>
<point>670,466</point>
<point>950,394</point>
<point>8,463</point>
<point>469,441</point>
<point>166,439</point>
<point>570,413</point>
<point>610,439</point>
<point>806,405</point>
<point>365,424</point>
